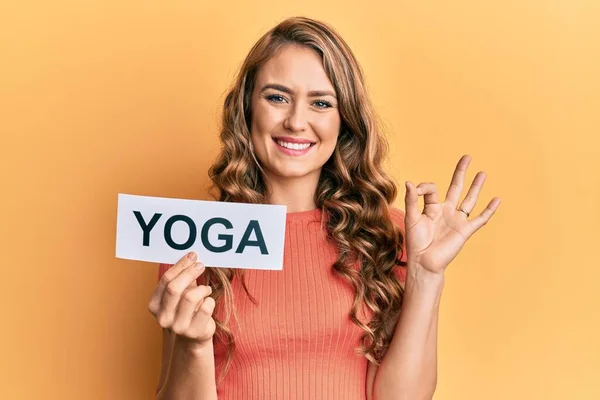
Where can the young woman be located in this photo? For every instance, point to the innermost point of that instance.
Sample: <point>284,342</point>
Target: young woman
<point>298,129</point>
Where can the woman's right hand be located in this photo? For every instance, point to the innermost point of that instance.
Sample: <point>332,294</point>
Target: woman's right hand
<point>181,305</point>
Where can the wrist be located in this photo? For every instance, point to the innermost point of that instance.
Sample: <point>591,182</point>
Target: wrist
<point>193,347</point>
<point>423,286</point>
<point>417,272</point>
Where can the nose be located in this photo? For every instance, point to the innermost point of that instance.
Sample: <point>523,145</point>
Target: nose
<point>296,119</point>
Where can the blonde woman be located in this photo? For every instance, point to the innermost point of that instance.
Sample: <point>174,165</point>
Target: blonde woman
<point>353,314</point>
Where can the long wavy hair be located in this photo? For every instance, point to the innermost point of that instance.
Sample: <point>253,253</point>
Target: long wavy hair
<point>354,193</point>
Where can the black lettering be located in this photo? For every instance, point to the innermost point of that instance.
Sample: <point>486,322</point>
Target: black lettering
<point>260,241</point>
<point>227,238</point>
<point>169,238</point>
<point>146,228</point>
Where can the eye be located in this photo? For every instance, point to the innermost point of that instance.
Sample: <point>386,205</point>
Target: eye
<point>322,104</point>
<point>275,98</point>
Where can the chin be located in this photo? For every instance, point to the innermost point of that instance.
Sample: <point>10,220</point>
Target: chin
<point>291,172</point>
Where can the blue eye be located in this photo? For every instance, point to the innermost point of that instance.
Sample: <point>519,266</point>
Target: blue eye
<point>275,98</point>
<point>324,104</point>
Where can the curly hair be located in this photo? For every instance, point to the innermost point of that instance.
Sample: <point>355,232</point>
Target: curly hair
<point>353,192</point>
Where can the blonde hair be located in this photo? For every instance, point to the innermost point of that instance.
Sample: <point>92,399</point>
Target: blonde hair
<point>353,192</point>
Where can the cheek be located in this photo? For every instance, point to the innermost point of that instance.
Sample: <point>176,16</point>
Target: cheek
<point>264,120</point>
<point>328,129</point>
<point>260,126</point>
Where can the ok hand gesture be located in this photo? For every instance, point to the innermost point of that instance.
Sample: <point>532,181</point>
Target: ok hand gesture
<point>435,236</point>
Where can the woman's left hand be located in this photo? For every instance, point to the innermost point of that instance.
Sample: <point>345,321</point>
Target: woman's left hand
<point>434,237</point>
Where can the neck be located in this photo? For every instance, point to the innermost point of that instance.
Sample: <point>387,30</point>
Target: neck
<point>296,193</point>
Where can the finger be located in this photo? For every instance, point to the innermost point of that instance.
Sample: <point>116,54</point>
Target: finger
<point>484,216</point>
<point>429,191</point>
<point>202,316</point>
<point>470,200</point>
<point>183,263</point>
<point>174,290</point>
<point>411,201</point>
<point>190,301</point>
<point>456,185</point>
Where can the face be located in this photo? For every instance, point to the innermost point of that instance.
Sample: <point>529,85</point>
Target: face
<point>295,118</point>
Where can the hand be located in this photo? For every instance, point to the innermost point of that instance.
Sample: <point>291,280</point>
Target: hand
<point>434,237</point>
<point>179,304</point>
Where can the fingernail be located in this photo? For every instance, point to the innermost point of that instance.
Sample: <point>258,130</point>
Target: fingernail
<point>192,256</point>
<point>199,266</point>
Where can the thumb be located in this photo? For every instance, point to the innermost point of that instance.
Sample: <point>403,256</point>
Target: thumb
<point>411,200</point>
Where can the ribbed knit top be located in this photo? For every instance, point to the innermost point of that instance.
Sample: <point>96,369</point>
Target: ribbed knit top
<point>299,341</point>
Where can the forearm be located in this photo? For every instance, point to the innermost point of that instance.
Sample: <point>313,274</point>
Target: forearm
<point>409,368</point>
<point>191,373</point>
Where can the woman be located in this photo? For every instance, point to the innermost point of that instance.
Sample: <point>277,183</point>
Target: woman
<point>298,129</point>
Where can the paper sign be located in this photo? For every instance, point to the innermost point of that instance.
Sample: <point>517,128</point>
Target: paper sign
<point>227,235</point>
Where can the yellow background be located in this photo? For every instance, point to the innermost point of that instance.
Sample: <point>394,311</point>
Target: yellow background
<point>102,97</point>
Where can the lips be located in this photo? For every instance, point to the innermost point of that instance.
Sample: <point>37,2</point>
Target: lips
<point>289,139</point>
<point>293,146</point>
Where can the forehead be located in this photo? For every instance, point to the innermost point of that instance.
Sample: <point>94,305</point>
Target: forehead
<point>297,67</point>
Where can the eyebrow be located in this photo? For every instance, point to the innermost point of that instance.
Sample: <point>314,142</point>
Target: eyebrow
<point>285,89</point>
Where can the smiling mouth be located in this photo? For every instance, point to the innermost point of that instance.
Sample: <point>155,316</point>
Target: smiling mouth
<point>294,145</point>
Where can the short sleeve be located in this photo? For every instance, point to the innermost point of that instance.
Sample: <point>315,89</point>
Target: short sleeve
<point>397,216</point>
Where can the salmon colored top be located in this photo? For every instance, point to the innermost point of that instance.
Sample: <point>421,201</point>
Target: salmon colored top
<point>299,341</point>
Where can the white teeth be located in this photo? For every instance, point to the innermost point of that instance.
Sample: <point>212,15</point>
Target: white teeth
<point>294,146</point>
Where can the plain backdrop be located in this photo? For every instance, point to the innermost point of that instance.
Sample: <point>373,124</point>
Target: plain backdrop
<point>103,97</point>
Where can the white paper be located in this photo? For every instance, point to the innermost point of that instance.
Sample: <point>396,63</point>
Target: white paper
<point>220,229</point>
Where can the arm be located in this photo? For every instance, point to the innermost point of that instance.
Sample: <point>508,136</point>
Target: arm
<point>433,239</point>
<point>167,347</point>
<point>183,308</point>
<point>409,368</point>
<point>187,370</point>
